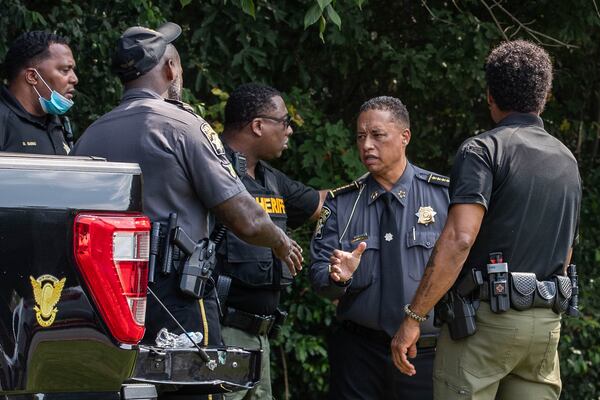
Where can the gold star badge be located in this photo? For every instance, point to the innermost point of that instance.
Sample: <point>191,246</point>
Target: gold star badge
<point>426,215</point>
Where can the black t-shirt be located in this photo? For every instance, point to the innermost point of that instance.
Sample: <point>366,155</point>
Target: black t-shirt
<point>21,132</point>
<point>529,184</point>
<point>300,203</point>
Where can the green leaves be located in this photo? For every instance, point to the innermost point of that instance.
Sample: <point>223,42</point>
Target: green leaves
<point>312,15</point>
<point>317,13</point>
<point>334,17</point>
<point>184,2</point>
<point>248,7</point>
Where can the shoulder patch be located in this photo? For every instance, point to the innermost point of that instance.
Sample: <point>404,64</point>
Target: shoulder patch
<point>213,138</point>
<point>325,214</point>
<point>434,179</point>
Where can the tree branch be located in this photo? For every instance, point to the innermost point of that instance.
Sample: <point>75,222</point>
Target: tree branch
<point>532,32</point>
<point>495,19</point>
<point>596,7</point>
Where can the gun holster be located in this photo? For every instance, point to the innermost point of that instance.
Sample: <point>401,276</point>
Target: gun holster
<point>280,317</point>
<point>197,269</point>
<point>457,308</point>
<point>197,266</point>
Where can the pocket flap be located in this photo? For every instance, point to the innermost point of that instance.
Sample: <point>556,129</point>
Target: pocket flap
<point>424,239</point>
<point>372,243</point>
<point>564,286</point>
<point>546,290</point>
<point>523,282</point>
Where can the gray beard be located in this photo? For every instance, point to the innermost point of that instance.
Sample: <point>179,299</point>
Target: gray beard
<point>174,91</point>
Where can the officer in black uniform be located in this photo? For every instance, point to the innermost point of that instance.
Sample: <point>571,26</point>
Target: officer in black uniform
<point>184,167</point>
<point>391,217</point>
<point>257,128</point>
<point>41,81</point>
<point>516,190</point>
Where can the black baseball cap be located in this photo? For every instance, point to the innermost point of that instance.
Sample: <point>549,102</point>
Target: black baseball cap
<point>139,49</point>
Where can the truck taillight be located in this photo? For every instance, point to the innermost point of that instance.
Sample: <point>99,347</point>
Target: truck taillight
<point>112,255</point>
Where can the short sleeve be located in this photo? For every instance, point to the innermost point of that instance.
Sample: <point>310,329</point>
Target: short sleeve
<point>471,179</point>
<point>212,175</point>
<point>300,200</point>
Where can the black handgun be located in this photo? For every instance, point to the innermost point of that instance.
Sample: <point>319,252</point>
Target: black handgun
<point>198,266</point>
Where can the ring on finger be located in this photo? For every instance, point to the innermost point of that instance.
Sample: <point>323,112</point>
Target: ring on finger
<point>329,269</point>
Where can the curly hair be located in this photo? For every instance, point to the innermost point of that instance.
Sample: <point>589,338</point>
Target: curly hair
<point>248,101</point>
<point>391,104</point>
<point>519,76</point>
<point>28,49</point>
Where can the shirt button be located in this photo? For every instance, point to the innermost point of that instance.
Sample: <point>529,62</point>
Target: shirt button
<point>428,243</point>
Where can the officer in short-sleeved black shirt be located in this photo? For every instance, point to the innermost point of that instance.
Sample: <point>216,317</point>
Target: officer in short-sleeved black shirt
<point>515,190</point>
<point>257,128</point>
<point>41,83</point>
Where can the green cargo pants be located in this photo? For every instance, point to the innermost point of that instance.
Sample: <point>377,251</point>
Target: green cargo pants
<point>513,355</point>
<point>239,338</point>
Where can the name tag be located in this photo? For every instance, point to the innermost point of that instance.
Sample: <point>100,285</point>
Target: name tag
<point>30,143</point>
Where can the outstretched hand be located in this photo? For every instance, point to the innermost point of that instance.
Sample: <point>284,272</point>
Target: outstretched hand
<point>343,264</point>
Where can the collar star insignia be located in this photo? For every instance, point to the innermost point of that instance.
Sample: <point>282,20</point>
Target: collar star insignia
<point>388,237</point>
<point>374,195</point>
<point>401,194</point>
<point>426,215</point>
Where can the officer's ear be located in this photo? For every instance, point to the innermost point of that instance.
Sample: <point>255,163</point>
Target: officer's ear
<point>31,77</point>
<point>170,69</point>
<point>256,127</point>
<point>406,136</point>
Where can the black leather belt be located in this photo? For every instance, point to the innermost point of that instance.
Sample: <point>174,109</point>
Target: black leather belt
<point>252,323</point>
<point>424,342</point>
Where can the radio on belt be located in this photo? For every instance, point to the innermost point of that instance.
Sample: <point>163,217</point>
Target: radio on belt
<point>497,271</point>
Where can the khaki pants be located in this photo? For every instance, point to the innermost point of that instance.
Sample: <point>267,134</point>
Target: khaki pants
<point>513,355</point>
<point>239,338</point>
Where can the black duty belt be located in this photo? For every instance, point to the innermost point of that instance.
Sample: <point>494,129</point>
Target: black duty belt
<point>424,342</point>
<point>252,323</point>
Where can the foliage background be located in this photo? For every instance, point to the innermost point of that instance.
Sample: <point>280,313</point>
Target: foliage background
<point>330,56</point>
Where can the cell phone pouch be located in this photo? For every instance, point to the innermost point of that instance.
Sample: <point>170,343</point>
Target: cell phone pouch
<point>522,290</point>
<point>563,294</point>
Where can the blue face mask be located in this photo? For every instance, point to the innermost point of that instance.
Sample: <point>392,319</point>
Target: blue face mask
<point>57,105</point>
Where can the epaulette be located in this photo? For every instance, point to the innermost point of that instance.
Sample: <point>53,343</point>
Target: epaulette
<point>183,106</point>
<point>434,179</point>
<point>354,185</point>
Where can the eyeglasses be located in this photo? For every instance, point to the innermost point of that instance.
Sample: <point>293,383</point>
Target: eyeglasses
<point>286,121</point>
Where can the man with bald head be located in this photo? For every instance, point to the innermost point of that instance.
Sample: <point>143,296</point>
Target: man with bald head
<point>185,171</point>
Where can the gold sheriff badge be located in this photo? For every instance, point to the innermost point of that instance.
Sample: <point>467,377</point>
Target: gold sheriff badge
<point>46,292</point>
<point>426,215</point>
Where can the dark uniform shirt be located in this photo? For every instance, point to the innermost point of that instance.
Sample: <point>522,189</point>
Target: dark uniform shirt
<point>21,132</point>
<point>300,204</point>
<point>529,184</point>
<point>184,170</point>
<point>353,217</point>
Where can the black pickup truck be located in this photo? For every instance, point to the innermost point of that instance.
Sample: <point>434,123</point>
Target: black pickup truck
<point>74,247</point>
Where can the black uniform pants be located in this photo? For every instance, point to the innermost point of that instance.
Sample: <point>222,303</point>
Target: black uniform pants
<point>362,368</point>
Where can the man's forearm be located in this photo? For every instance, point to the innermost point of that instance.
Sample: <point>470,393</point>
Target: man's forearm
<point>448,256</point>
<point>440,274</point>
